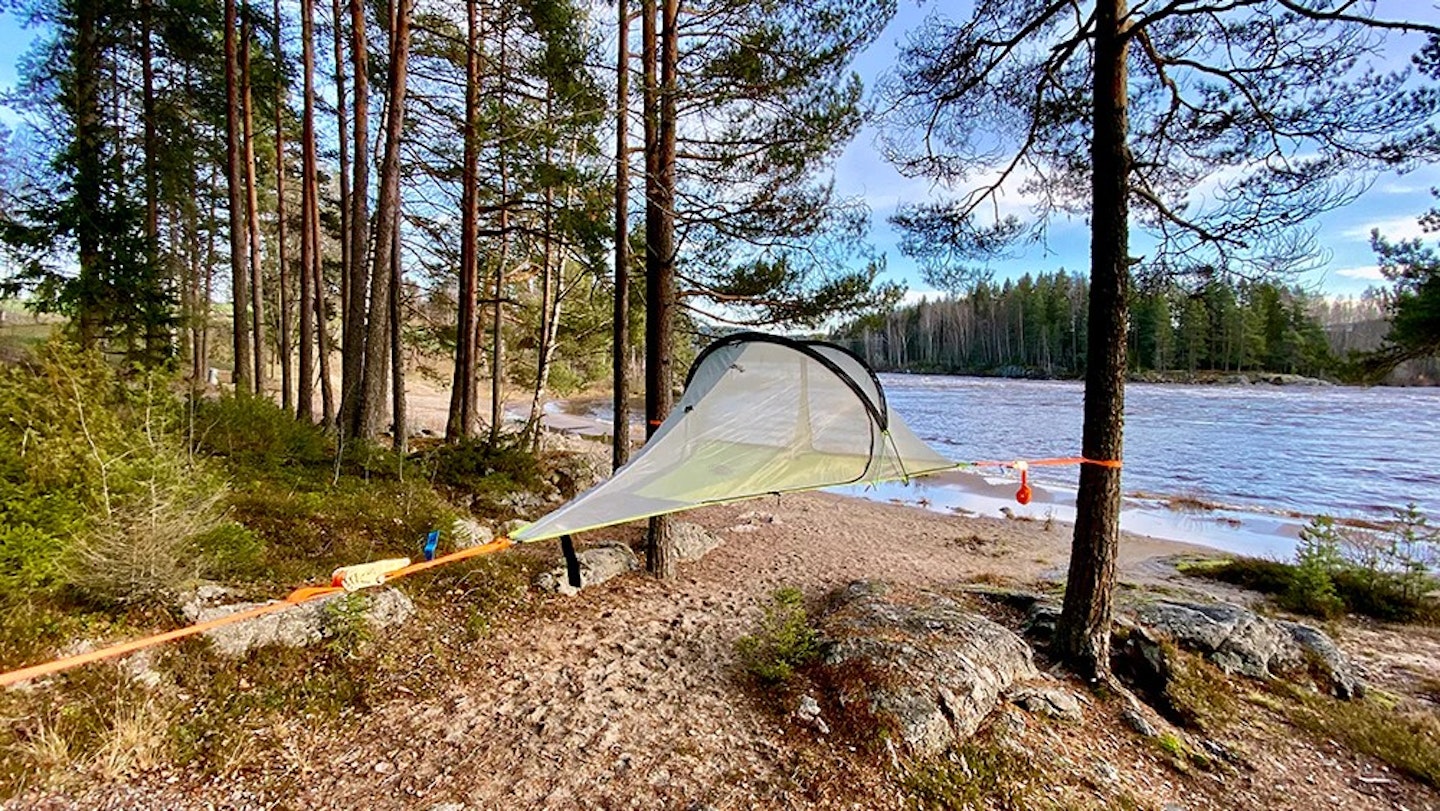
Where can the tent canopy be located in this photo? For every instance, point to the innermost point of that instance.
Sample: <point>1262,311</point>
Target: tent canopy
<point>760,415</point>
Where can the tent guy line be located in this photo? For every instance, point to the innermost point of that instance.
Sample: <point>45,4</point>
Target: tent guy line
<point>760,415</point>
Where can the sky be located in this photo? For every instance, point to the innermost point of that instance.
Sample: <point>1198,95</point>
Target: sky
<point>1391,205</point>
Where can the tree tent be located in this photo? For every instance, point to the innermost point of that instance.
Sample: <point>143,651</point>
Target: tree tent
<point>760,414</point>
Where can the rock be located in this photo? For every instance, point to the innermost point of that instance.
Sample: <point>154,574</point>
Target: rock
<point>525,503</point>
<point>206,595</point>
<point>809,713</point>
<point>467,532</point>
<point>1238,640</point>
<point>692,541</point>
<point>1137,721</point>
<point>927,667</point>
<point>1040,620</point>
<point>597,564</point>
<point>1106,772</point>
<point>1047,701</point>
<point>303,624</point>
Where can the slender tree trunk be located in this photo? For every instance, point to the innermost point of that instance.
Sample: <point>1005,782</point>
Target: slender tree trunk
<point>309,225</point>
<point>400,434</point>
<point>252,208</point>
<point>660,253</point>
<point>235,179</point>
<point>86,62</point>
<point>377,335</point>
<point>461,423</point>
<point>352,338</point>
<point>1082,636</point>
<point>497,344</point>
<point>620,444</point>
<point>340,121</point>
<point>152,144</point>
<point>281,259</point>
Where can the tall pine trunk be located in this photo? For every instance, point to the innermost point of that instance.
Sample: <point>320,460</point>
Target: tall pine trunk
<point>497,344</point>
<point>620,441</point>
<point>309,225</point>
<point>338,18</point>
<point>461,422</point>
<point>1082,636</point>
<point>400,435</point>
<point>660,251</point>
<point>352,339</point>
<point>281,257</point>
<point>377,333</point>
<point>252,208</point>
<point>234,181</point>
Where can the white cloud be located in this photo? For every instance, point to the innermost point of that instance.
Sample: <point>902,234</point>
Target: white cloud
<point>1369,273</point>
<point>1396,187</point>
<point>1392,229</point>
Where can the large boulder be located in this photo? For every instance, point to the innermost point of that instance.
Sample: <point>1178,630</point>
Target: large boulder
<point>297,626</point>
<point>927,669</point>
<point>597,564</point>
<point>1238,640</point>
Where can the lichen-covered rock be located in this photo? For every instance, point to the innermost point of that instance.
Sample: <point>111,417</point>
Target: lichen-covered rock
<point>928,668</point>
<point>1238,640</point>
<point>597,564</point>
<point>1048,701</point>
<point>300,625</point>
<point>467,532</point>
<point>692,541</point>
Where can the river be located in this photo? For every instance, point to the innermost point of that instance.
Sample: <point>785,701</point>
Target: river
<point>1266,453</point>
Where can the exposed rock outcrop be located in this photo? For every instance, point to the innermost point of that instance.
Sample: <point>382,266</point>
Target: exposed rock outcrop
<point>597,564</point>
<point>927,668</point>
<point>692,541</point>
<point>1238,640</point>
<point>303,624</point>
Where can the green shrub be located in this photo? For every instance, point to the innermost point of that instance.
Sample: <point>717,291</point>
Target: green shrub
<point>982,776</point>
<point>1384,572</point>
<point>1311,589</point>
<point>783,642</point>
<point>98,493</point>
<point>482,467</point>
<point>254,432</point>
<point>1408,740</point>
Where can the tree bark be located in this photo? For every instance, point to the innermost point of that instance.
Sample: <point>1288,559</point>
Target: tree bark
<point>497,344</point>
<point>399,436</point>
<point>309,225</point>
<point>234,179</point>
<point>352,338</point>
<point>1082,636</point>
<point>281,257</point>
<point>620,444</point>
<point>252,208</point>
<point>461,423</point>
<point>660,252</point>
<point>341,121</point>
<point>377,334</point>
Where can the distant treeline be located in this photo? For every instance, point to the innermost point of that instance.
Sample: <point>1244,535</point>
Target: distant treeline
<point>1036,325</point>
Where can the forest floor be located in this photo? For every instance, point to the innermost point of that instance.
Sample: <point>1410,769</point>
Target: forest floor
<point>629,695</point>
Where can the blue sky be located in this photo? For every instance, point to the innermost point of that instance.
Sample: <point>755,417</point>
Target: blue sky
<point>1392,204</point>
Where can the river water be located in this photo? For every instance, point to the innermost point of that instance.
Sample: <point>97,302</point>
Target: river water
<point>1267,454</point>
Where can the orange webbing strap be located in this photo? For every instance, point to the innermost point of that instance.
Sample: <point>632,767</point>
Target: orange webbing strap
<point>1055,462</point>
<point>296,597</point>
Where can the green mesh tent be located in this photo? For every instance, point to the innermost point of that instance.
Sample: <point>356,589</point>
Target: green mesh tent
<point>760,415</point>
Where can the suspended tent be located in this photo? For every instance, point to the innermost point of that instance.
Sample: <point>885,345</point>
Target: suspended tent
<point>760,415</point>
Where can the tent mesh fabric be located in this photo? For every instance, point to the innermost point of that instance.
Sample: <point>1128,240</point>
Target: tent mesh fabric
<point>760,415</point>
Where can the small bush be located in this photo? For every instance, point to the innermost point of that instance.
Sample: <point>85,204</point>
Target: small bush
<point>1384,573</point>
<point>1196,693</point>
<point>1311,589</point>
<point>98,493</point>
<point>254,432</point>
<point>482,467</point>
<point>784,641</point>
